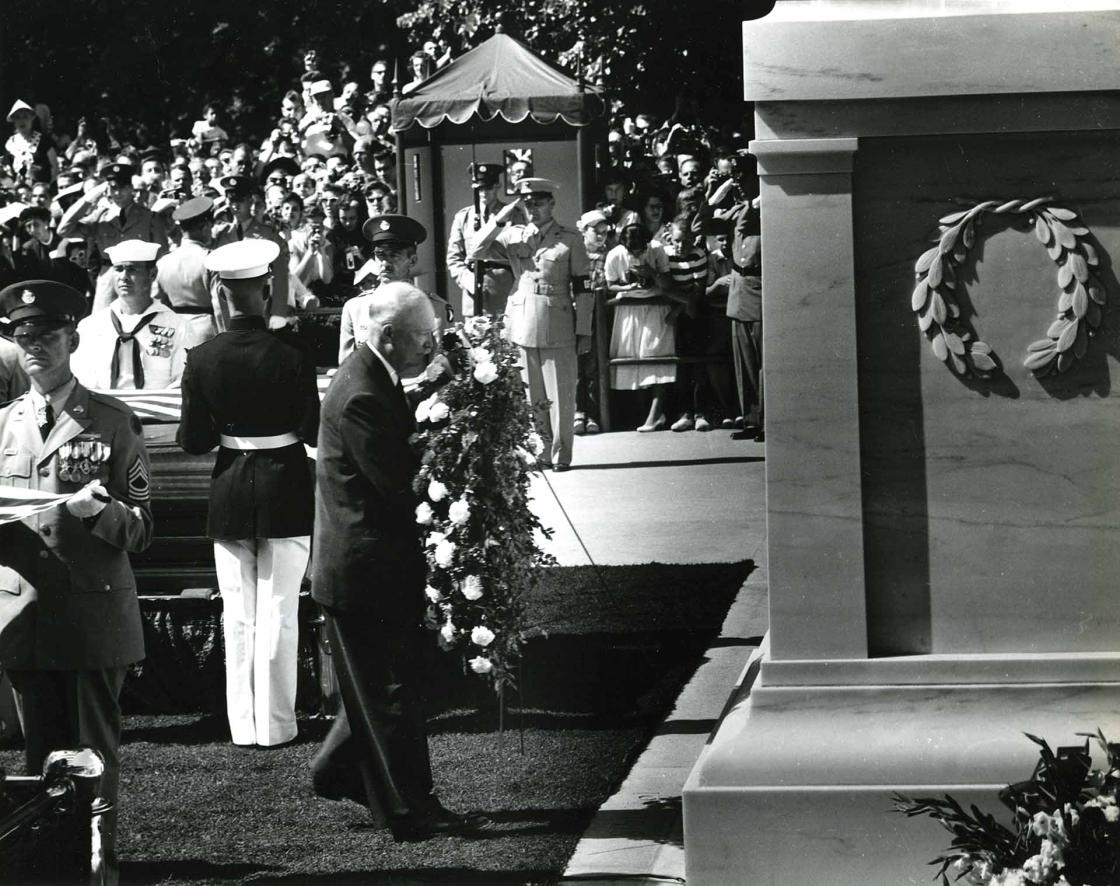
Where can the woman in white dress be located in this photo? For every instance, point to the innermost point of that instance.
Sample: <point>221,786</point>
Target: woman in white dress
<point>638,268</point>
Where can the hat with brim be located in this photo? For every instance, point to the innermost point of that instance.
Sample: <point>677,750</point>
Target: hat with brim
<point>40,303</point>
<point>591,218</point>
<point>285,164</point>
<point>486,174</point>
<point>237,187</point>
<point>129,251</point>
<point>244,259</point>
<point>394,229</point>
<point>19,105</point>
<point>318,87</point>
<point>527,187</point>
<point>62,250</point>
<point>195,208</point>
<point>119,172</point>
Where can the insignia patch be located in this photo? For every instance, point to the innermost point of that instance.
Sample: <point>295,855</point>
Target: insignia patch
<point>139,488</point>
<point>27,297</point>
<point>385,225</point>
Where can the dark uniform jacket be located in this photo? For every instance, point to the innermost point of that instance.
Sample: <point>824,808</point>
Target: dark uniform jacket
<point>67,593</point>
<point>367,551</point>
<point>744,293</point>
<point>248,382</point>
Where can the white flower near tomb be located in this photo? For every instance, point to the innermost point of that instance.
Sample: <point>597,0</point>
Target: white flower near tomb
<point>481,665</point>
<point>481,355</point>
<point>437,491</point>
<point>434,538</point>
<point>459,512</point>
<point>472,588</point>
<point>484,373</point>
<point>424,408</point>
<point>448,632</point>
<point>424,514</point>
<point>482,636</point>
<point>536,444</point>
<point>526,456</point>
<point>433,594</point>
<point>439,411</point>
<point>445,553</point>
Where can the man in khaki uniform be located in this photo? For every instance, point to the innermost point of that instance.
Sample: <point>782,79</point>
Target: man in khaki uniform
<point>69,617</point>
<point>549,312</point>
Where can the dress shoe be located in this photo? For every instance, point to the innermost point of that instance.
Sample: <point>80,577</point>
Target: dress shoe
<point>579,427</point>
<point>592,426</point>
<point>653,426</point>
<point>702,423</point>
<point>438,822</point>
<point>727,423</point>
<point>737,422</point>
<point>684,423</point>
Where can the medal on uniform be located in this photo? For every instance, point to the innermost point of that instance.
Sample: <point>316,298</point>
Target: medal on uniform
<point>161,340</point>
<point>64,462</point>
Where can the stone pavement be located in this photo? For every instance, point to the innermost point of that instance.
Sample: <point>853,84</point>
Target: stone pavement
<point>669,498</point>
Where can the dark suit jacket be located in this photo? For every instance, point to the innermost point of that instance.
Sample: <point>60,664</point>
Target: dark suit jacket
<point>368,555</point>
<point>249,382</point>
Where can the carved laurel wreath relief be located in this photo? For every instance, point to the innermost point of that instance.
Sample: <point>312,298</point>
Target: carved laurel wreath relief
<point>1080,300</point>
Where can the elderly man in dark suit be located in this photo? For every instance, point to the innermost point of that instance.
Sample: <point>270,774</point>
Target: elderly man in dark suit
<point>369,574</point>
<point>69,617</point>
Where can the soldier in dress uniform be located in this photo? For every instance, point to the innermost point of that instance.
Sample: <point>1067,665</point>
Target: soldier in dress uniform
<point>393,241</point>
<point>133,342</point>
<point>121,219</point>
<point>69,617</point>
<point>182,280</point>
<point>496,279</point>
<point>252,393</point>
<point>245,199</point>
<point>549,314</point>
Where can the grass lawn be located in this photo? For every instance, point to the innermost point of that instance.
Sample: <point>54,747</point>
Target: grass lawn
<point>617,648</point>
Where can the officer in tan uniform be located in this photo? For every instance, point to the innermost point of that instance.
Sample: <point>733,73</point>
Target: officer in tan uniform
<point>182,280</point>
<point>490,273</point>
<point>549,312</point>
<point>69,617</point>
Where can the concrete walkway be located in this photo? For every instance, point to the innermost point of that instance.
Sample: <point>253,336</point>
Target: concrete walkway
<point>669,498</point>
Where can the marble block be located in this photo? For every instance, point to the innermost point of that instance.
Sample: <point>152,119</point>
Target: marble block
<point>943,550</point>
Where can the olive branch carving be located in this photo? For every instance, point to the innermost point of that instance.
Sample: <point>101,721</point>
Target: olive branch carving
<point>1080,300</point>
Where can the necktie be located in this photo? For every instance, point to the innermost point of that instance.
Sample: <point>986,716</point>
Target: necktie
<point>45,419</point>
<point>124,338</point>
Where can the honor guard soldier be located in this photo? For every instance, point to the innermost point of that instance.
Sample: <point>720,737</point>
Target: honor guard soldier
<point>244,197</point>
<point>182,280</point>
<point>69,617</point>
<point>253,394</point>
<point>122,218</point>
<point>487,281</point>
<point>393,241</point>
<point>548,315</point>
<point>133,342</point>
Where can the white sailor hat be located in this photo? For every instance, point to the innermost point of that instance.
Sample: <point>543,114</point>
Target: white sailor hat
<point>20,105</point>
<point>243,260</point>
<point>320,86</point>
<point>132,251</point>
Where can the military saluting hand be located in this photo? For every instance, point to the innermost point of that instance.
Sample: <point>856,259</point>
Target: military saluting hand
<point>506,213</point>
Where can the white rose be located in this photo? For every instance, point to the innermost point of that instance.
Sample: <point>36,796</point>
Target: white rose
<point>482,636</point>
<point>484,373</point>
<point>472,587</point>
<point>448,632</point>
<point>481,355</point>
<point>437,491</point>
<point>445,553</point>
<point>459,512</point>
<point>434,538</point>
<point>526,456</point>
<point>536,444</point>
<point>433,594</point>
<point>481,665</point>
<point>424,513</point>
<point>422,410</point>
<point>439,411</point>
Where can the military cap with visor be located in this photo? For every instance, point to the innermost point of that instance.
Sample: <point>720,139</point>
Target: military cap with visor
<point>43,304</point>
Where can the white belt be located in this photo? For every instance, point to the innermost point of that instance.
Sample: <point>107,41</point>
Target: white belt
<point>275,441</point>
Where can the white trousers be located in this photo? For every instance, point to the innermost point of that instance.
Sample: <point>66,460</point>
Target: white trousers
<point>259,580</point>
<point>551,375</point>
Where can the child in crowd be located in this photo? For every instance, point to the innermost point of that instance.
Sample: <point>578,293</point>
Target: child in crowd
<point>596,230</point>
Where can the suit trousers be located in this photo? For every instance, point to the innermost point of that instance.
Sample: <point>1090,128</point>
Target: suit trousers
<point>260,580</point>
<point>746,343</point>
<point>377,749</point>
<point>61,710</point>
<point>551,374</point>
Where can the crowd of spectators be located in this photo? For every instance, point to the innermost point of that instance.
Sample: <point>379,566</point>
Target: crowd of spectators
<point>659,237</point>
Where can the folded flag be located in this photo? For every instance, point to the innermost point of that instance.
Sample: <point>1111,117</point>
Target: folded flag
<point>17,503</point>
